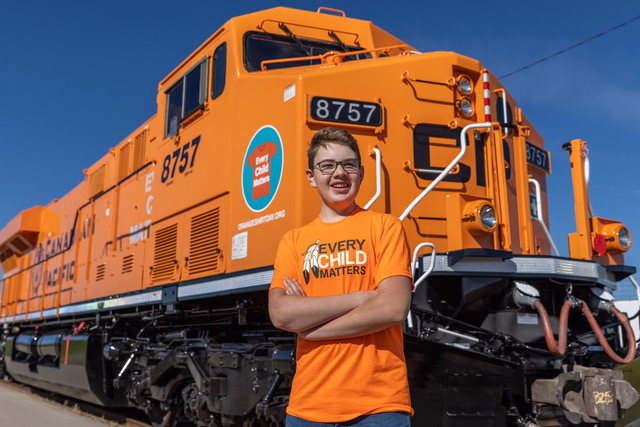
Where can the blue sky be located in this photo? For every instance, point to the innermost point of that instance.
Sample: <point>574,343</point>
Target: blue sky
<point>77,76</point>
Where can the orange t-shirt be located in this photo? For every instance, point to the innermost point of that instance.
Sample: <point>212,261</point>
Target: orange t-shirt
<point>338,380</point>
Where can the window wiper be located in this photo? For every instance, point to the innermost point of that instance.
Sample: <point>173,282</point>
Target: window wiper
<point>288,32</point>
<point>336,39</point>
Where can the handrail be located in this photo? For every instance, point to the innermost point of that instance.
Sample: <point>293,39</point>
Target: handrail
<point>635,285</point>
<point>504,109</point>
<point>409,166</point>
<point>536,184</point>
<point>414,265</point>
<point>331,54</point>
<point>328,9</point>
<point>378,179</point>
<point>586,180</point>
<point>445,172</point>
<point>414,262</point>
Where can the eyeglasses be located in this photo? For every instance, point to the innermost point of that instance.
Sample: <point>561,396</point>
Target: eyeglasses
<point>328,167</point>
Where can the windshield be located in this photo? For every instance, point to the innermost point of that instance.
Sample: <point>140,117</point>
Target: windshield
<point>260,47</point>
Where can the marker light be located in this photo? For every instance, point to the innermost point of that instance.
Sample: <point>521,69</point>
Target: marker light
<point>464,84</point>
<point>465,106</point>
<point>617,237</point>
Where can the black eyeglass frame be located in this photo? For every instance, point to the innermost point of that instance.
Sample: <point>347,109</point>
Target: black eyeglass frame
<point>341,163</point>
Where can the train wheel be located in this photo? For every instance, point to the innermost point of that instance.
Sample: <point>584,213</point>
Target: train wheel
<point>162,418</point>
<point>195,406</point>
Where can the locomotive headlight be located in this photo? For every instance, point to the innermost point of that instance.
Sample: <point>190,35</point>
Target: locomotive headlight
<point>624,238</point>
<point>617,237</point>
<point>465,106</point>
<point>464,84</point>
<point>479,217</point>
<point>488,217</point>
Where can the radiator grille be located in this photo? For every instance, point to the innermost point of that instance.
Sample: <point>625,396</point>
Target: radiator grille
<point>96,181</point>
<point>139,149</point>
<point>164,255</point>
<point>203,248</point>
<point>127,264</point>
<point>101,272</point>
<point>123,163</point>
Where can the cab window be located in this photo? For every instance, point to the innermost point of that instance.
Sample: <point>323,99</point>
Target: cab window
<point>218,70</point>
<point>187,95</point>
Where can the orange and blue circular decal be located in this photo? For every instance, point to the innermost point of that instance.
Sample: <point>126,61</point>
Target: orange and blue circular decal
<point>262,168</point>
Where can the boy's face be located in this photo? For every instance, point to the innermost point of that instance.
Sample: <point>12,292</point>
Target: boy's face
<point>337,189</point>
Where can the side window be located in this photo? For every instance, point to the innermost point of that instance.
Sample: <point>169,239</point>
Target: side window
<point>219,68</point>
<point>187,95</point>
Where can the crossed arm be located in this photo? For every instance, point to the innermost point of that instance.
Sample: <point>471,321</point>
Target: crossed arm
<point>340,316</point>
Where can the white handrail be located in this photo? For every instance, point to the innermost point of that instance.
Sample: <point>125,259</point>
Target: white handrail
<point>586,181</point>
<point>414,262</point>
<point>635,285</point>
<point>445,172</point>
<point>378,179</point>
<point>504,105</point>
<point>540,219</point>
<point>414,265</point>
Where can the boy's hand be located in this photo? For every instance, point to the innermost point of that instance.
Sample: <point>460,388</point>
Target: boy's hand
<point>293,287</point>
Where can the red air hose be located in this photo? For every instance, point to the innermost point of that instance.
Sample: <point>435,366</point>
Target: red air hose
<point>631,354</point>
<point>560,348</point>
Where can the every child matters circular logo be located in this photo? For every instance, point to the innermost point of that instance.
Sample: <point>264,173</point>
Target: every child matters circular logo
<point>262,168</point>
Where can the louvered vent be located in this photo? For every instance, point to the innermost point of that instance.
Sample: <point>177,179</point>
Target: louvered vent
<point>164,256</point>
<point>204,252</point>
<point>127,264</point>
<point>8,259</point>
<point>101,272</point>
<point>139,149</point>
<point>96,181</point>
<point>123,163</point>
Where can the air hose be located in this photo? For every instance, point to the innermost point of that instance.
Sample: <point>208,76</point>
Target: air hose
<point>631,353</point>
<point>559,348</point>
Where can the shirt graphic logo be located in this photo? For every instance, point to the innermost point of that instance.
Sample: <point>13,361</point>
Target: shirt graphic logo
<point>311,262</point>
<point>262,168</point>
<point>336,259</point>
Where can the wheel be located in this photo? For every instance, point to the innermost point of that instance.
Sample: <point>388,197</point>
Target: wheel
<point>162,418</point>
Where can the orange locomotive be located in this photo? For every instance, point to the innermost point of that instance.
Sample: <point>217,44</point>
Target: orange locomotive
<point>146,285</point>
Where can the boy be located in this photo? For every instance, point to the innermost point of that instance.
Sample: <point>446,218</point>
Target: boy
<point>343,283</point>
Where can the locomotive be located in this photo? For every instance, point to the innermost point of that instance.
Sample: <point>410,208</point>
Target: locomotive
<point>146,285</point>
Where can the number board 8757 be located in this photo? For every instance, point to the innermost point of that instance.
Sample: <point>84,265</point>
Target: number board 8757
<point>345,111</point>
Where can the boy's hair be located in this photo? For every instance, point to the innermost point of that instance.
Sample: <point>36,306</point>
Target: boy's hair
<point>331,136</point>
